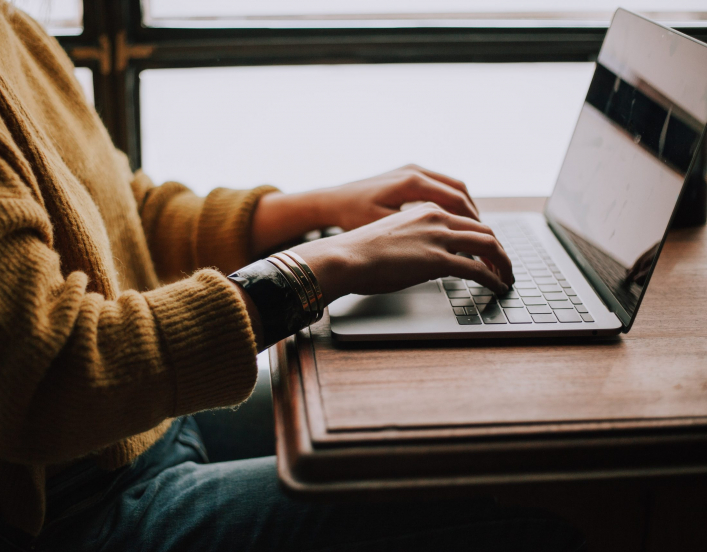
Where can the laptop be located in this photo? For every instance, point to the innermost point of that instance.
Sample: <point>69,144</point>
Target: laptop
<point>583,267</point>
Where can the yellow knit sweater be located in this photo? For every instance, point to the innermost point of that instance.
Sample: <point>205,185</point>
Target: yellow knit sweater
<point>95,356</point>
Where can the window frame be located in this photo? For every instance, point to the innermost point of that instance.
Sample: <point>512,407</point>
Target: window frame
<point>113,30</point>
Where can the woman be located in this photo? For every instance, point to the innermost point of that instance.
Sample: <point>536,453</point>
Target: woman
<point>100,364</point>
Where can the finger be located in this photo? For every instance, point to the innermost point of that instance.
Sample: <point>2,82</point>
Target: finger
<point>471,269</point>
<point>425,188</point>
<point>485,246</point>
<point>453,182</point>
<point>455,222</point>
<point>464,223</point>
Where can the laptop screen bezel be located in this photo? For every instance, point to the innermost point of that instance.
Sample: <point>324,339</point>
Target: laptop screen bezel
<point>583,263</point>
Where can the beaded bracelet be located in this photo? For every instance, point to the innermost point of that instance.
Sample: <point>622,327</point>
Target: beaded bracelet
<point>286,293</point>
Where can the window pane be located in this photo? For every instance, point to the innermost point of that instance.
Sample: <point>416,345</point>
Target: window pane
<point>502,128</point>
<point>85,77</point>
<point>396,13</point>
<point>60,17</point>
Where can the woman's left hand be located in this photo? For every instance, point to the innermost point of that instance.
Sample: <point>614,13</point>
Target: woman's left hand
<point>365,201</point>
<point>280,218</point>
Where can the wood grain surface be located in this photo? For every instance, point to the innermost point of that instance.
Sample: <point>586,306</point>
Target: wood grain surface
<point>656,374</point>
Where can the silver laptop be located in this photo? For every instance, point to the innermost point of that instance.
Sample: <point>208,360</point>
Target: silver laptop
<point>583,266</point>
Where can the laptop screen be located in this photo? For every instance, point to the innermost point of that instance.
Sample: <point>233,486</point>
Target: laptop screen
<point>637,133</point>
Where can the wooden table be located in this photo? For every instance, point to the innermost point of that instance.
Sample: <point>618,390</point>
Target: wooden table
<point>450,417</point>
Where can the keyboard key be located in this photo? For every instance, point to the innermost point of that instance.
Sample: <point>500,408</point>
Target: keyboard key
<point>484,299</point>
<point>522,277</point>
<point>468,320</point>
<point>545,281</point>
<point>454,284</point>
<point>461,302</point>
<point>539,309</point>
<point>576,300</point>
<point>546,288</point>
<point>524,285</point>
<point>563,283</point>
<point>511,303</point>
<point>587,317</point>
<point>552,266</point>
<point>581,308</point>
<point>459,311</point>
<point>544,318</point>
<point>517,316</point>
<point>560,305</point>
<point>567,316</point>
<point>471,311</point>
<point>570,291</point>
<point>534,301</point>
<point>509,295</point>
<point>457,293</point>
<point>540,274</point>
<point>480,291</point>
<point>492,314</point>
<point>555,296</point>
<point>529,292</point>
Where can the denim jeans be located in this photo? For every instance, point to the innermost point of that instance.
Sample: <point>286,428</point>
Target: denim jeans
<point>171,498</point>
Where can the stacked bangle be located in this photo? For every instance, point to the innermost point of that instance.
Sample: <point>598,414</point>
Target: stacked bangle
<point>286,293</point>
<point>304,281</point>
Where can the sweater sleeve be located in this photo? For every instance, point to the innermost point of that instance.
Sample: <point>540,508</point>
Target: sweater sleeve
<point>78,371</point>
<point>186,232</point>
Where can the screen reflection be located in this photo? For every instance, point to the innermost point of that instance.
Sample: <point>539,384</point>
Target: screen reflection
<point>638,131</point>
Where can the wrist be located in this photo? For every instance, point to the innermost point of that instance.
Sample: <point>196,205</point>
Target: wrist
<point>331,265</point>
<point>323,206</point>
<point>281,218</point>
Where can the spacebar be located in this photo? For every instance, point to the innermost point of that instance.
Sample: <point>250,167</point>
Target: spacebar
<point>493,314</point>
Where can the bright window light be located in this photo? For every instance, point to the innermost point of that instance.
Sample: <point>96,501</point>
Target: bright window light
<point>371,13</point>
<point>60,17</point>
<point>85,77</point>
<point>502,128</point>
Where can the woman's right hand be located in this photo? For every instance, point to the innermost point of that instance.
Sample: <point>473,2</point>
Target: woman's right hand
<point>407,248</point>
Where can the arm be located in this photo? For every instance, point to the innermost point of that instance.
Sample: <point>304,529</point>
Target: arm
<point>229,228</point>
<point>79,370</point>
<point>186,232</point>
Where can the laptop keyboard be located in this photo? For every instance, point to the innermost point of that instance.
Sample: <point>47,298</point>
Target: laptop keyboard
<point>540,295</point>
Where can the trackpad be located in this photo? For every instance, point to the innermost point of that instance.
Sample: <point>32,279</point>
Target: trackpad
<point>421,299</point>
<point>427,287</point>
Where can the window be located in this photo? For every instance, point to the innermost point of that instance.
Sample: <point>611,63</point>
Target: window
<point>60,17</point>
<point>281,91</point>
<point>407,13</point>
<point>502,128</point>
<point>85,77</point>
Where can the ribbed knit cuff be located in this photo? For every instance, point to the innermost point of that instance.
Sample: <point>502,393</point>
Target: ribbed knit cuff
<point>223,236</point>
<point>207,340</point>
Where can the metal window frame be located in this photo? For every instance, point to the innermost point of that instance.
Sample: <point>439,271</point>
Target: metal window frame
<point>117,47</point>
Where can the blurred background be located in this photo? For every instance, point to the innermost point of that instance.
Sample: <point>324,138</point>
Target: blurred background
<point>310,93</point>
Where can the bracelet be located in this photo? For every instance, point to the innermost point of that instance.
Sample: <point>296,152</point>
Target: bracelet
<point>304,281</point>
<point>313,280</point>
<point>286,293</point>
<point>294,282</point>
